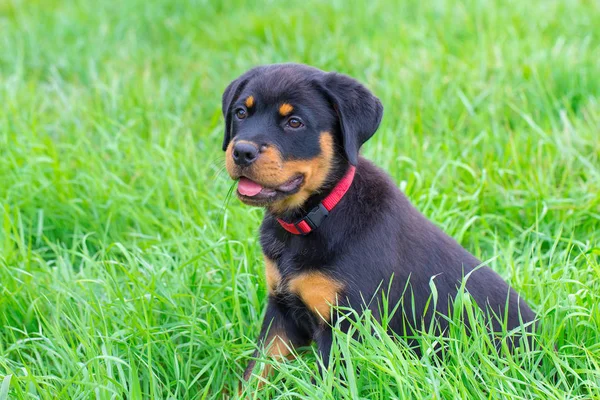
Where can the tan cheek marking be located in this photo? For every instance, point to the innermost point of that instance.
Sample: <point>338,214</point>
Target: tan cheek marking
<point>229,163</point>
<point>315,172</point>
<point>249,101</point>
<point>272,274</point>
<point>271,170</point>
<point>268,170</point>
<point>317,291</point>
<point>285,109</point>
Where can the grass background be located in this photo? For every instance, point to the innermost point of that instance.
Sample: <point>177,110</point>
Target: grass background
<point>124,271</point>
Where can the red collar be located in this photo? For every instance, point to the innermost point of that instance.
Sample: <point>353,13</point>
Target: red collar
<point>315,217</point>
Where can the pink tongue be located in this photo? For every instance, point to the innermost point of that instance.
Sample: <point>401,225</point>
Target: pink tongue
<point>247,187</point>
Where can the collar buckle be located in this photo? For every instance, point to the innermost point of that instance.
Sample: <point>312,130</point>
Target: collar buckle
<point>317,215</point>
<point>313,219</point>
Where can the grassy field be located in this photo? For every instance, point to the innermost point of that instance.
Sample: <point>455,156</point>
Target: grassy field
<point>125,270</point>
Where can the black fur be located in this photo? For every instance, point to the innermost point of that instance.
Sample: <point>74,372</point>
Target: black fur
<point>374,233</point>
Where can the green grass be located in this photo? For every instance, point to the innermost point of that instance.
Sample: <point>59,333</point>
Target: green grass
<point>125,272</point>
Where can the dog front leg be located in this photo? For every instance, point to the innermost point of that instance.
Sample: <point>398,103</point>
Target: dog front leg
<point>324,340</point>
<point>279,336</point>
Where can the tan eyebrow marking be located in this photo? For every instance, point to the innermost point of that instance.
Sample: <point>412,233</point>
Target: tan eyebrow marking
<point>249,101</point>
<point>285,109</point>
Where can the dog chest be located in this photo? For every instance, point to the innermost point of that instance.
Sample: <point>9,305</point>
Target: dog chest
<point>317,290</point>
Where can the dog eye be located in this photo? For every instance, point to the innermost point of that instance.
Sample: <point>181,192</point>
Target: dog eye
<point>294,123</point>
<point>240,113</point>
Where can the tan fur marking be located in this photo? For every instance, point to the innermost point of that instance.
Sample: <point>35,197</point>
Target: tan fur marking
<point>277,346</point>
<point>317,291</point>
<point>229,163</point>
<point>272,274</point>
<point>249,101</point>
<point>271,170</point>
<point>285,109</point>
<point>315,172</point>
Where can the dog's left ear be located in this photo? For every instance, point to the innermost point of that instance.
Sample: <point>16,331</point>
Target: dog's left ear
<point>359,111</point>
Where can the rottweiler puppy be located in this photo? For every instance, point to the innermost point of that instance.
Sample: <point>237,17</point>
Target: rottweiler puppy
<point>337,230</point>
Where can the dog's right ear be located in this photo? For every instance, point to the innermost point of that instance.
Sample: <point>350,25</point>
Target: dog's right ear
<point>230,95</point>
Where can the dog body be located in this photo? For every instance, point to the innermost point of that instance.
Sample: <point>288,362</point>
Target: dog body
<point>292,135</point>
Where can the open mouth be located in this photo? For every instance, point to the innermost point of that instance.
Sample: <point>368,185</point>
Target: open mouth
<point>253,192</point>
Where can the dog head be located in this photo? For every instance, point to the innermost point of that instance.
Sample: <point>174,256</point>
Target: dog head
<point>287,126</point>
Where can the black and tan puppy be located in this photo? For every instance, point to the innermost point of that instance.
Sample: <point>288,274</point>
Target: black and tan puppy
<point>336,228</point>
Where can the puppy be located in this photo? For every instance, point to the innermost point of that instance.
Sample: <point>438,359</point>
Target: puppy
<point>337,231</point>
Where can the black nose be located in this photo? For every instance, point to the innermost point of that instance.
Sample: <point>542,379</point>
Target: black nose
<point>244,153</point>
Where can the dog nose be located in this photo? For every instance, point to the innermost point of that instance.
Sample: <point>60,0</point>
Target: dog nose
<point>244,153</point>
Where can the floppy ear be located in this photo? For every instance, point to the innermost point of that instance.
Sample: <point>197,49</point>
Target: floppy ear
<point>231,93</point>
<point>358,109</point>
